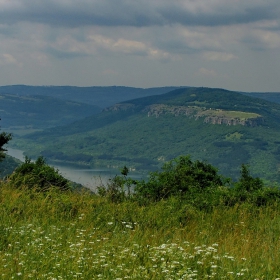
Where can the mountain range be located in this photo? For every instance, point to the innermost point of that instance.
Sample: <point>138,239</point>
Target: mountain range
<point>25,109</point>
<point>223,127</point>
<point>98,96</point>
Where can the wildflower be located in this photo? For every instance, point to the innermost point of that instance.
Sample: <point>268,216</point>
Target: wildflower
<point>214,266</point>
<point>128,226</point>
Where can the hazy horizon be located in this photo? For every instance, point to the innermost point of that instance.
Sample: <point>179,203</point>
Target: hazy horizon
<point>211,43</point>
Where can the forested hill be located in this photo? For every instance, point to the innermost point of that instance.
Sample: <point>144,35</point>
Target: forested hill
<point>223,127</point>
<point>98,96</point>
<point>22,114</point>
<point>269,96</point>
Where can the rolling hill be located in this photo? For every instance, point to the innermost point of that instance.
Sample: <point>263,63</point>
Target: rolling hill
<point>22,114</point>
<point>98,96</point>
<point>269,96</point>
<point>222,127</point>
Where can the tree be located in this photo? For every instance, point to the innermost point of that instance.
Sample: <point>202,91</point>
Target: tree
<point>4,139</point>
<point>248,183</point>
<point>118,188</point>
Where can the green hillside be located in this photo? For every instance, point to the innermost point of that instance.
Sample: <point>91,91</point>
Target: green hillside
<point>98,96</point>
<point>22,114</point>
<point>223,127</point>
<point>269,96</point>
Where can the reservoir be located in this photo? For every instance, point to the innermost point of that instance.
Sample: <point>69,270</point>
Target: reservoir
<point>88,177</point>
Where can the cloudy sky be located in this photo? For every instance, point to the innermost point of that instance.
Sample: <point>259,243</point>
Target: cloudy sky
<point>231,44</point>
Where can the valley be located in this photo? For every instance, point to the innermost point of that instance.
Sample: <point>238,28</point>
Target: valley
<point>225,128</point>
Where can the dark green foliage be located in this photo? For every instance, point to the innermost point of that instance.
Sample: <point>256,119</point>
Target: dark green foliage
<point>180,176</point>
<point>119,188</point>
<point>4,139</point>
<point>192,183</point>
<point>38,175</point>
<point>247,183</point>
<point>261,197</point>
<point>124,171</point>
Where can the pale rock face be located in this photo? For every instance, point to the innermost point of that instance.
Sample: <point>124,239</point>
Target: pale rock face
<point>211,116</point>
<point>235,121</point>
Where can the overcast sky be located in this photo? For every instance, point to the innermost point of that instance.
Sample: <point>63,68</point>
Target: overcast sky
<point>231,44</point>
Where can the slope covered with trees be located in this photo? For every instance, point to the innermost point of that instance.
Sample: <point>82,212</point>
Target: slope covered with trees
<point>26,113</point>
<point>226,128</point>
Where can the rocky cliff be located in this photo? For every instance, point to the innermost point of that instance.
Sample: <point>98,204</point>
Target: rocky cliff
<point>212,116</point>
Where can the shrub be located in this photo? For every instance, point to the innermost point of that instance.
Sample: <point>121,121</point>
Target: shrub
<point>247,183</point>
<point>119,188</point>
<point>180,176</point>
<point>38,175</point>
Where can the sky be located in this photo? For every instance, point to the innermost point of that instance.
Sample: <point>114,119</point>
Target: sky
<point>230,44</point>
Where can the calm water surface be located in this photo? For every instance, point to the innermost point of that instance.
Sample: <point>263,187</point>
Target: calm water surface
<point>88,177</point>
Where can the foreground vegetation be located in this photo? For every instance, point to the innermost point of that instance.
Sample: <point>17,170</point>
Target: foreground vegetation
<point>67,235</point>
<point>189,228</point>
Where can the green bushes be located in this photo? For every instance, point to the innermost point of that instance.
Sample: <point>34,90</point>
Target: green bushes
<point>119,188</point>
<point>247,183</point>
<point>193,183</point>
<point>182,177</point>
<point>38,175</point>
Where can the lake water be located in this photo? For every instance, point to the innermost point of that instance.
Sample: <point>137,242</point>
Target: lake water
<point>88,177</point>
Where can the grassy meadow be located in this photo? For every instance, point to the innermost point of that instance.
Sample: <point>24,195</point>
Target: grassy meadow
<point>68,235</point>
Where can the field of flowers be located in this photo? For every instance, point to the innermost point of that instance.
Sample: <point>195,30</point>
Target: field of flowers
<point>70,235</point>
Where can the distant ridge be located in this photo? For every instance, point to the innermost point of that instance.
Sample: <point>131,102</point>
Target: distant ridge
<point>95,95</point>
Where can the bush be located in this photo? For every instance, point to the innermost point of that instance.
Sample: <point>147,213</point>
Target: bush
<point>119,188</point>
<point>38,175</point>
<point>180,176</point>
<point>247,183</point>
<point>193,183</point>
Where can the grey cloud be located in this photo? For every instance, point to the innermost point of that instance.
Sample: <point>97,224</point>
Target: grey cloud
<point>60,54</point>
<point>8,31</point>
<point>139,13</point>
<point>221,16</point>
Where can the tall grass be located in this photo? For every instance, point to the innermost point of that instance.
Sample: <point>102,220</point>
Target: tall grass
<point>68,235</point>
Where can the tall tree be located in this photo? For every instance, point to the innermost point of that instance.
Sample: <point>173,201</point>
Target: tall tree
<point>4,139</point>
